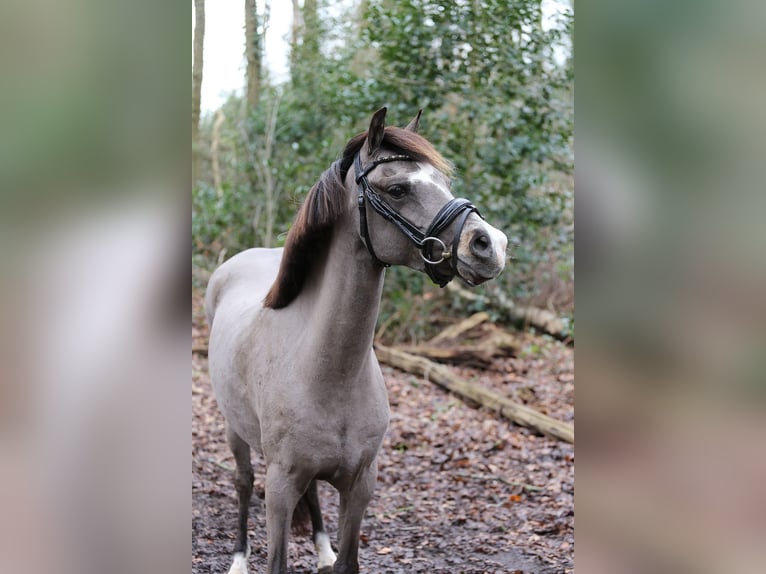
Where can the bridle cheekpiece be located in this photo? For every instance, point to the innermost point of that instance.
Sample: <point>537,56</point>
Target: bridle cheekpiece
<point>432,249</point>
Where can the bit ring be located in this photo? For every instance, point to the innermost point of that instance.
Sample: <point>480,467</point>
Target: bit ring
<point>445,254</point>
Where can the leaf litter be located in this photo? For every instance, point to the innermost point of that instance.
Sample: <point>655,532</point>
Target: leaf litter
<point>460,489</point>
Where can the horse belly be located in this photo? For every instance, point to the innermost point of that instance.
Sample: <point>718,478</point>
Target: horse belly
<point>236,406</point>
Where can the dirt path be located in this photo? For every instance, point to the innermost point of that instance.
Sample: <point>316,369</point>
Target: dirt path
<point>460,490</point>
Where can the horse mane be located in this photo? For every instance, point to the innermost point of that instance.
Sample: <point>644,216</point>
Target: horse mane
<point>325,203</point>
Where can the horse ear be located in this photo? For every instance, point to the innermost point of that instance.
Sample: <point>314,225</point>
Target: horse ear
<point>376,131</point>
<point>414,123</point>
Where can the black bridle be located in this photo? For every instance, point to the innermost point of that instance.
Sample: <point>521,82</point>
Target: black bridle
<point>425,241</point>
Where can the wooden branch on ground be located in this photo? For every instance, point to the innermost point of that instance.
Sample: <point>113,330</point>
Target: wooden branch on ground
<point>454,331</point>
<point>469,355</point>
<point>443,376</point>
<point>475,352</point>
<point>473,341</point>
<point>539,318</point>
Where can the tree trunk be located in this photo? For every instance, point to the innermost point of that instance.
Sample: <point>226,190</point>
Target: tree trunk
<point>304,47</point>
<point>311,27</point>
<point>214,143</point>
<point>199,35</point>
<point>295,38</point>
<point>266,176</point>
<point>253,53</point>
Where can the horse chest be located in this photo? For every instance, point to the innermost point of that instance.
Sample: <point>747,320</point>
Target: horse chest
<point>346,450</point>
<point>333,434</point>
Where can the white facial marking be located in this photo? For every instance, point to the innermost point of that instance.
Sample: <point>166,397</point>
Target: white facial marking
<point>427,174</point>
<point>326,557</point>
<point>239,564</point>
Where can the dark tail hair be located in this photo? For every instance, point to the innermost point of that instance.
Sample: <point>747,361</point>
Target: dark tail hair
<point>302,518</point>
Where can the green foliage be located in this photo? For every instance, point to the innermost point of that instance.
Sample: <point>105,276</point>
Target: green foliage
<point>497,99</point>
<point>220,222</point>
<point>409,298</point>
<point>498,105</point>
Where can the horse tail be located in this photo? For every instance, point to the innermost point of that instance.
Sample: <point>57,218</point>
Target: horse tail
<point>302,517</point>
<point>211,298</point>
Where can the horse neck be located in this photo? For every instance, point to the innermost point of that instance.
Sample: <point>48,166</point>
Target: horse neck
<point>347,289</point>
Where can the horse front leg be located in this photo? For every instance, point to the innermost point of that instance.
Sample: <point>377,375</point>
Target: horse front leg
<point>282,495</point>
<point>353,503</point>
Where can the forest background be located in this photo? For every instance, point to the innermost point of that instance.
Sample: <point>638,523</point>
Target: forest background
<point>495,80</point>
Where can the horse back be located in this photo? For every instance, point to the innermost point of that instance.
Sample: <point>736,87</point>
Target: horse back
<point>247,277</point>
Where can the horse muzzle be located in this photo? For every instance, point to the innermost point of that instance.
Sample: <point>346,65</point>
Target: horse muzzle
<point>481,252</point>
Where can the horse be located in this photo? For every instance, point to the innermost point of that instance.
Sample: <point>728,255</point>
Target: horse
<point>291,331</point>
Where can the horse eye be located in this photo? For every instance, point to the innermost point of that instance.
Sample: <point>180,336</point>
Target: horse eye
<point>397,191</point>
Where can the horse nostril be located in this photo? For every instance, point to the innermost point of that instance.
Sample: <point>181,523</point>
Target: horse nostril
<point>481,246</point>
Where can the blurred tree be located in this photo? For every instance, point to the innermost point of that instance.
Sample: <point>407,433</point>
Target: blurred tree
<point>297,30</point>
<point>306,33</point>
<point>199,35</point>
<point>254,50</point>
<point>495,79</point>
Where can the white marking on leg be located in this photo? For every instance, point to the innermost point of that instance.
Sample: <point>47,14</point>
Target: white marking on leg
<point>326,557</point>
<point>239,563</point>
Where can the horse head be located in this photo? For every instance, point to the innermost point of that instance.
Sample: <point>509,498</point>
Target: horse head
<point>407,213</point>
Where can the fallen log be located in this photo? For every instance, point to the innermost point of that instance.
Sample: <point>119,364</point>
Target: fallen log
<point>541,319</point>
<point>477,352</point>
<point>443,376</point>
<point>471,355</point>
<point>473,341</point>
<point>454,331</point>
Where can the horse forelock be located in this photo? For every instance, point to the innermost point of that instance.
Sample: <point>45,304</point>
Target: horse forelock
<point>400,141</point>
<point>325,203</point>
